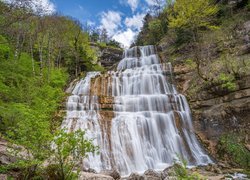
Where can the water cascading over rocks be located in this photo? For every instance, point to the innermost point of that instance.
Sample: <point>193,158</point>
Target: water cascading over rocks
<point>151,125</point>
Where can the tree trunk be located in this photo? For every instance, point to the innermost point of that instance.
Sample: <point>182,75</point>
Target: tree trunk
<point>32,56</point>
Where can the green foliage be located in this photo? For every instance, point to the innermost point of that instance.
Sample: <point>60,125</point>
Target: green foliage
<point>156,30</point>
<point>70,148</point>
<point>228,81</point>
<point>4,48</point>
<point>181,171</point>
<point>248,5</point>
<point>190,63</point>
<point>27,105</point>
<point>192,14</point>
<point>231,146</point>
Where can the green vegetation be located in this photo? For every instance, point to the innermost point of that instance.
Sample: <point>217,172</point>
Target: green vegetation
<point>70,149</point>
<point>38,56</point>
<point>231,147</point>
<point>182,173</point>
<point>206,32</point>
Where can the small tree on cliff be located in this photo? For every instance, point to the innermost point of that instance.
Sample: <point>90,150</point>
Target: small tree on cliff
<point>193,16</point>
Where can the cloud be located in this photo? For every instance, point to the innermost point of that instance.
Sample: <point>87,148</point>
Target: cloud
<point>111,21</point>
<point>90,23</point>
<point>135,22</point>
<point>133,4</point>
<point>155,2</point>
<point>125,37</point>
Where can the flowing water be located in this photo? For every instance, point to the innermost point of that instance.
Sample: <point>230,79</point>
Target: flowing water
<point>152,124</point>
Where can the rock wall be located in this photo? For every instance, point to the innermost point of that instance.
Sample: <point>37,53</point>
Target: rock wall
<point>216,111</point>
<point>107,56</point>
<point>215,115</point>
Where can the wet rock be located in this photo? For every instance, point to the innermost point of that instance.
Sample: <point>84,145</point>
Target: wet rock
<point>135,176</point>
<point>3,177</point>
<point>93,176</point>
<point>223,165</point>
<point>91,171</point>
<point>152,175</point>
<point>217,170</point>
<point>170,171</point>
<point>171,178</point>
<point>113,173</point>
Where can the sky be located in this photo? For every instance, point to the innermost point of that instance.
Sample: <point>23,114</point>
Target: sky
<point>121,18</point>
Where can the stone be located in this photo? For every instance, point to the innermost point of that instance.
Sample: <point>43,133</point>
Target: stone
<point>93,176</point>
<point>171,178</point>
<point>217,170</point>
<point>151,175</point>
<point>170,171</point>
<point>3,177</point>
<point>91,171</point>
<point>113,173</point>
<point>5,157</point>
<point>135,176</point>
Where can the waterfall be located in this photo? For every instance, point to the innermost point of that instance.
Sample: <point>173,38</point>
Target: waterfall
<point>152,122</point>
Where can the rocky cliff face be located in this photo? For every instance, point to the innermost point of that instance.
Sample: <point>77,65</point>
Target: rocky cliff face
<point>216,111</point>
<point>107,56</point>
<point>213,114</point>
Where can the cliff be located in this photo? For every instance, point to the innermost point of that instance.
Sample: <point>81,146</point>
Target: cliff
<point>108,56</point>
<point>218,111</point>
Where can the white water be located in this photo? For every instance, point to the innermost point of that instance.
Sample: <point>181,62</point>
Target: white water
<point>152,124</point>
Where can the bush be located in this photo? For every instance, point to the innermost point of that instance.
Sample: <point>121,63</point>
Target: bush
<point>230,146</point>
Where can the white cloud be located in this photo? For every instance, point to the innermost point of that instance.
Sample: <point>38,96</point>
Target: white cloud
<point>135,22</point>
<point>91,23</point>
<point>111,21</point>
<point>125,37</point>
<point>133,4</point>
<point>155,2</point>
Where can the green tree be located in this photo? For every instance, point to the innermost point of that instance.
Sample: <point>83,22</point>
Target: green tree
<point>69,150</point>
<point>156,30</point>
<point>193,16</point>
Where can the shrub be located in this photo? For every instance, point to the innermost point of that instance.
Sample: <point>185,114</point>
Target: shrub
<point>230,145</point>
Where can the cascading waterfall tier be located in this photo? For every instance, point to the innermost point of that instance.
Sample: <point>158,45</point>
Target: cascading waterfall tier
<point>152,122</point>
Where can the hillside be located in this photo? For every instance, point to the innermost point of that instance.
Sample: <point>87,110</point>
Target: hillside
<point>212,70</point>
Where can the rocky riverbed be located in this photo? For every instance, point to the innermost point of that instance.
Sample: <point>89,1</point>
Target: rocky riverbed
<point>210,172</point>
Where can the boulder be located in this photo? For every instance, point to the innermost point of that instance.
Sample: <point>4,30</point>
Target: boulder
<point>135,176</point>
<point>93,176</point>
<point>170,171</point>
<point>113,173</point>
<point>152,175</point>
<point>3,177</point>
<point>5,157</point>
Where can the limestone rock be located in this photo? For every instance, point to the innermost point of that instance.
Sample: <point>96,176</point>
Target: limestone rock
<point>135,176</point>
<point>5,157</point>
<point>3,177</point>
<point>93,176</point>
<point>113,173</point>
<point>152,175</point>
<point>168,172</point>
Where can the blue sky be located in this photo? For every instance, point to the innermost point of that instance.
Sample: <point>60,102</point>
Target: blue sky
<point>122,18</point>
